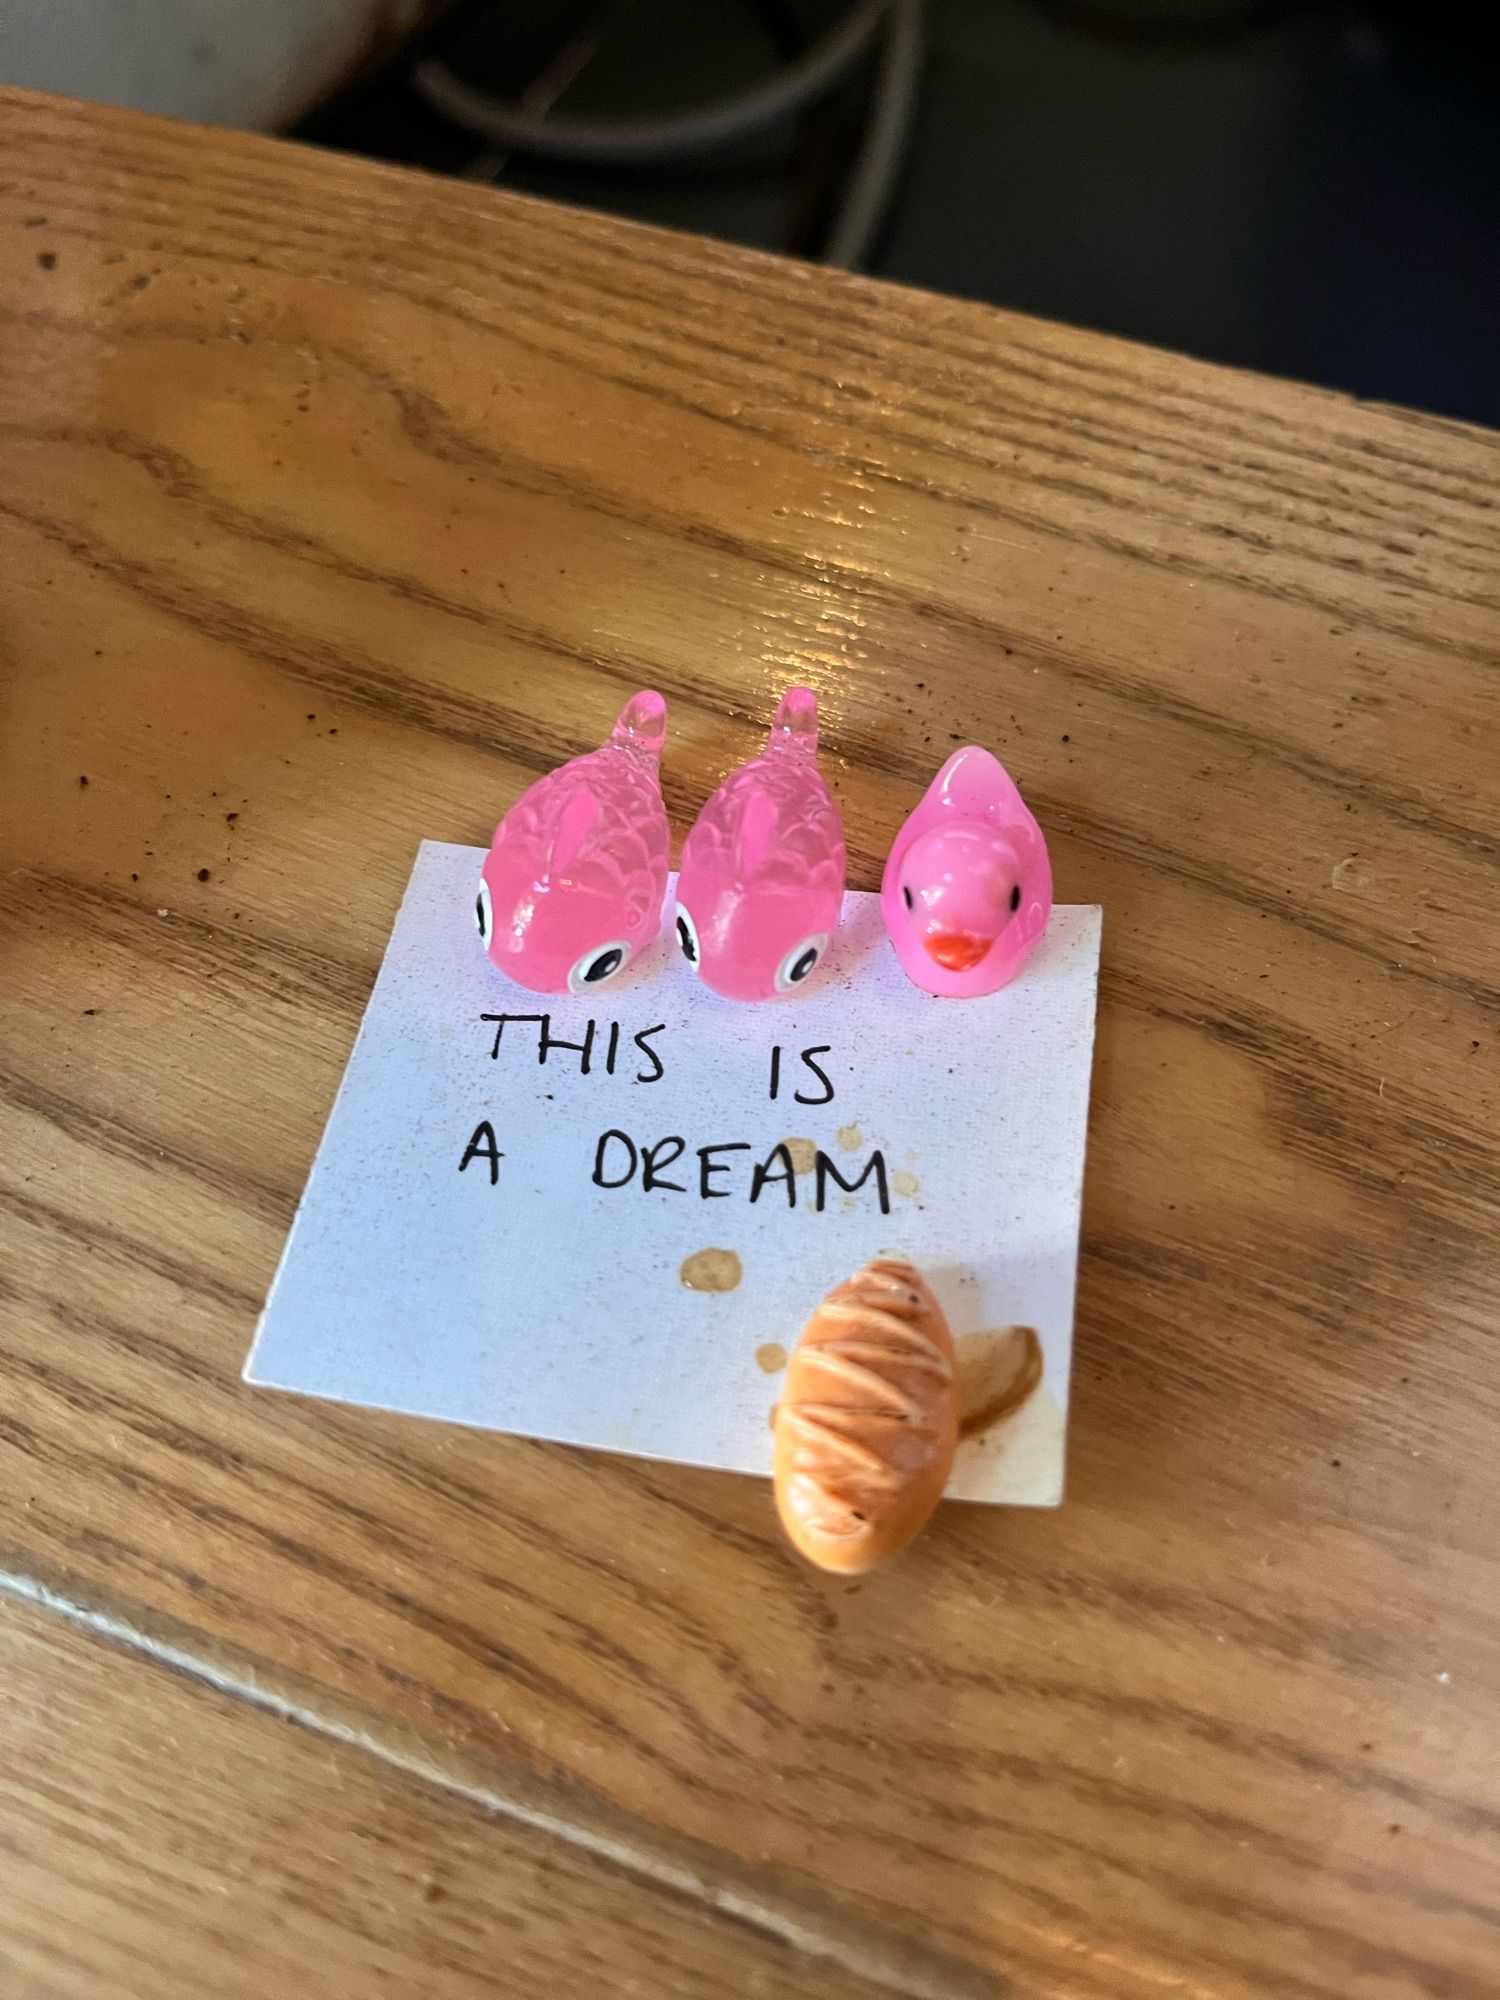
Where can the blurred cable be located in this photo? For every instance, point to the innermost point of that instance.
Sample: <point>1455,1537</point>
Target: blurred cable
<point>625,141</point>
<point>538,98</point>
<point>883,147</point>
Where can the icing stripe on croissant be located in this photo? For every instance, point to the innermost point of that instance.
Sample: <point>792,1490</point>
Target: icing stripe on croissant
<point>868,1422</point>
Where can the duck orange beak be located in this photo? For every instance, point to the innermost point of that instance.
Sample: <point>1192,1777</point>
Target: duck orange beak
<point>956,951</point>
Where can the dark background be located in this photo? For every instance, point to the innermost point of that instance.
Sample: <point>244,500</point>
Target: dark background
<point>1309,189</point>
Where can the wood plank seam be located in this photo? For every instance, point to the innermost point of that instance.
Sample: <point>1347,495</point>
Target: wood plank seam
<point>905,1969</point>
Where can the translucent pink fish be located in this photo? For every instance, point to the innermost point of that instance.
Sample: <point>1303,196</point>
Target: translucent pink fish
<point>572,886</point>
<point>967,889</point>
<point>762,880</point>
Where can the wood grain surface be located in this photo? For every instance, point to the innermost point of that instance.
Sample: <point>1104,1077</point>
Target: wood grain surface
<point>334,504</point>
<point>163,1841</point>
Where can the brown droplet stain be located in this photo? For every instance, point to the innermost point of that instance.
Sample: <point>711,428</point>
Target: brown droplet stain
<point>802,1153</point>
<point>905,1183</point>
<point>711,1271</point>
<point>771,1357</point>
<point>997,1371</point>
<point>851,1138</point>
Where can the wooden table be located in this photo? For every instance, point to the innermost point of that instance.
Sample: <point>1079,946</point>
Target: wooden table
<point>335,503</point>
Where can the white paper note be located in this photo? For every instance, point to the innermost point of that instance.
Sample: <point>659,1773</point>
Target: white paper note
<point>523,1291</point>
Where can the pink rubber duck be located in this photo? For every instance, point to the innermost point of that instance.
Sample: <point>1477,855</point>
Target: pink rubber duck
<point>572,886</point>
<point>967,889</point>
<point>762,881</point>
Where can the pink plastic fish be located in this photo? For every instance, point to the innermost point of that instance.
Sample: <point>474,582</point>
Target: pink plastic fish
<point>762,881</point>
<point>967,889</point>
<point>572,886</point>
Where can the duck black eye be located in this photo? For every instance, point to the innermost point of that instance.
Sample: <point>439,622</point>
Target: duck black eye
<point>906,892</point>
<point>1015,897</point>
<point>598,965</point>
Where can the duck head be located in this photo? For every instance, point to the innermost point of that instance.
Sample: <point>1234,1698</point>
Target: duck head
<point>967,889</point>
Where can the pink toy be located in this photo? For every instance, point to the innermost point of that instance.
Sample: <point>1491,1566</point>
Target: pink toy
<point>762,881</point>
<point>573,883</point>
<point>967,890</point>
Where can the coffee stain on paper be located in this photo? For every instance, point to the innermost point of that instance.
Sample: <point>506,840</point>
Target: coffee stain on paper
<point>711,1271</point>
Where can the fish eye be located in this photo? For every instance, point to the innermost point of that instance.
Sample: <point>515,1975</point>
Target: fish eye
<point>1015,898</point>
<point>598,965</point>
<point>906,893</point>
<point>687,937</point>
<point>482,913</point>
<point>800,962</point>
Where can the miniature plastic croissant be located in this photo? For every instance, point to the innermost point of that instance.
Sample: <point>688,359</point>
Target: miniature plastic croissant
<point>762,882</point>
<point>573,884</point>
<point>967,889</point>
<point>867,1424</point>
